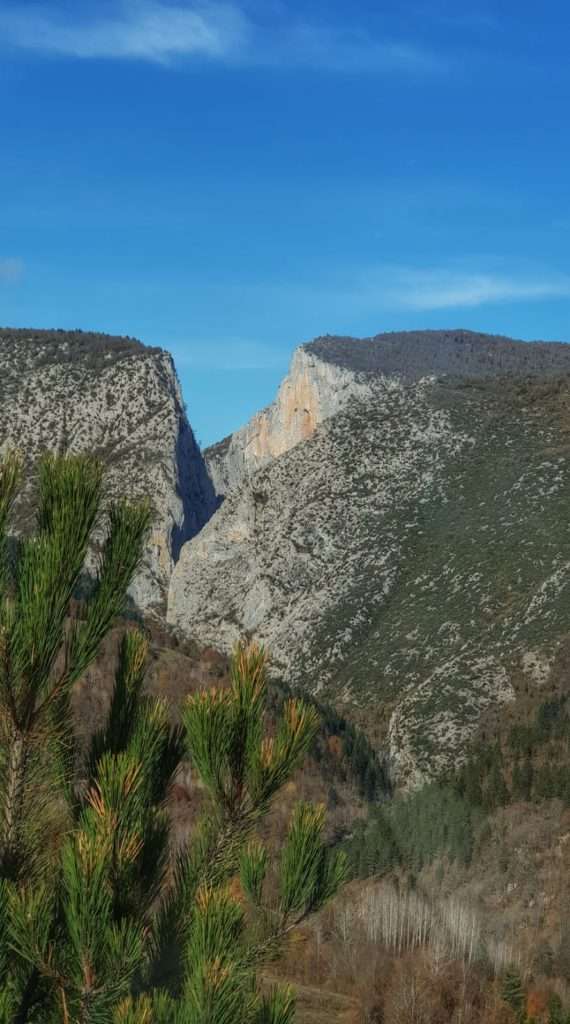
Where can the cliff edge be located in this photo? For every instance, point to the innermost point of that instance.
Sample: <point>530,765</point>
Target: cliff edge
<point>78,391</point>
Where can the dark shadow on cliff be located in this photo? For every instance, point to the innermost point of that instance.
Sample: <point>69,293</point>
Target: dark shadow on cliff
<point>195,489</point>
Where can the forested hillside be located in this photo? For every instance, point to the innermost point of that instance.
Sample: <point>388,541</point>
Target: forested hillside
<point>476,867</point>
<point>414,354</point>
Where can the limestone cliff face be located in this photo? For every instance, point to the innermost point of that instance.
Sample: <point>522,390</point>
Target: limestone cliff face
<point>122,402</point>
<point>408,560</point>
<point>327,374</point>
<point>313,391</point>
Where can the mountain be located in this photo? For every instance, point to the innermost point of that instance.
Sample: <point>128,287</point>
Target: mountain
<point>78,391</point>
<point>406,555</point>
<point>329,373</point>
<point>393,525</point>
<point>395,528</point>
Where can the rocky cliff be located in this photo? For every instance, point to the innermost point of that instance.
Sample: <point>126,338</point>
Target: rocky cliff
<point>75,391</point>
<point>329,373</point>
<point>313,390</point>
<point>409,558</point>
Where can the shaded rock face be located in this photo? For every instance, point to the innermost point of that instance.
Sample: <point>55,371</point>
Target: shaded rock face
<point>409,557</point>
<point>73,391</point>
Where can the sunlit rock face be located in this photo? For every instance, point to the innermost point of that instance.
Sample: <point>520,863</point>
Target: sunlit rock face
<point>329,373</point>
<point>312,391</point>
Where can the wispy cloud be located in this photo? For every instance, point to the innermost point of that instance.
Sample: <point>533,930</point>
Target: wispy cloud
<point>145,30</point>
<point>163,32</point>
<point>11,270</point>
<point>346,297</point>
<point>406,288</point>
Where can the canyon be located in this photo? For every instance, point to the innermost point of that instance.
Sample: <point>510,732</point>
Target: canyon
<point>392,527</point>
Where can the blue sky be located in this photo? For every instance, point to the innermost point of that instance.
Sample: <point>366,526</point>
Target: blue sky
<point>228,180</point>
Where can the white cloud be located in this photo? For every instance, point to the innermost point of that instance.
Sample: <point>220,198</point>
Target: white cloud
<point>160,31</point>
<point>364,293</point>
<point>405,288</point>
<point>11,270</point>
<point>144,30</point>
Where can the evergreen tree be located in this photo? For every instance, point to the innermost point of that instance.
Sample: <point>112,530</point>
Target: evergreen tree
<point>556,1013</point>
<point>98,925</point>
<point>564,783</point>
<point>513,993</point>
<point>41,653</point>
<point>546,786</point>
<point>412,831</point>
<point>496,794</point>
<point>471,787</point>
<point>523,776</point>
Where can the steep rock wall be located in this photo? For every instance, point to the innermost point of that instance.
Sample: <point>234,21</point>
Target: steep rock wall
<point>327,374</point>
<point>313,391</point>
<point>122,402</point>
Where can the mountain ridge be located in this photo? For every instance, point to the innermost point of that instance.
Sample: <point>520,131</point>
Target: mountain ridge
<point>416,353</point>
<point>329,373</point>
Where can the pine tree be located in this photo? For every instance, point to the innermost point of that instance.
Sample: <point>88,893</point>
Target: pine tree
<point>547,782</point>
<point>523,776</point>
<point>497,794</point>
<point>556,1013</point>
<point>99,923</point>
<point>513,993</point>
<point>472,791</point>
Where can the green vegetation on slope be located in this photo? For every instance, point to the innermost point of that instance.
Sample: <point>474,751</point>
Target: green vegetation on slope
<point>411,831</point>
<point>480,584</point>
<point>459,353</point>
<point>92,348</point>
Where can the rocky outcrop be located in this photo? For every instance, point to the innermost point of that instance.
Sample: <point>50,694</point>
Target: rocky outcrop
<point>313,391</point>
<point>327,374</point>
<point>408,559</point>
<point>282,547</point>
<point>73,391</point>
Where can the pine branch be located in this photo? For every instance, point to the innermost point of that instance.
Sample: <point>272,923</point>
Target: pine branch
<point>12,814</point>
<point>84,934</point>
